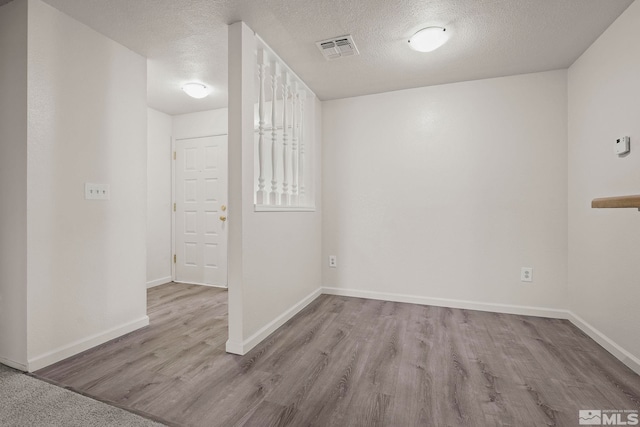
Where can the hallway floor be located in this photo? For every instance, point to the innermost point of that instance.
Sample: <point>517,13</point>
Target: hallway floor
<point>350,361</point>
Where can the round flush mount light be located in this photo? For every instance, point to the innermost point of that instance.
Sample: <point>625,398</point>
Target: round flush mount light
<point>429,39</point>
<point>196,90</point>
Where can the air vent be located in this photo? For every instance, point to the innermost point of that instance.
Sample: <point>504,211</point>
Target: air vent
<point>338,47</point>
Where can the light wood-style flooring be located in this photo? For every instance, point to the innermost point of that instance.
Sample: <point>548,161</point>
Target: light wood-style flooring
<point>351,362</point>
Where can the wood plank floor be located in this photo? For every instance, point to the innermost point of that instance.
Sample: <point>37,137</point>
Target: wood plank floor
<point>351,362</point>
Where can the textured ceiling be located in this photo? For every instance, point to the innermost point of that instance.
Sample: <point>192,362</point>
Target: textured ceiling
<point>186,40</point>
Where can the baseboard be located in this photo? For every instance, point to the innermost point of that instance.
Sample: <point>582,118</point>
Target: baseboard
<point>255,339</point>
<point>79,346</point>
<point>234,347</point>
<point>158,282</point>
<point>605,342</point>
<point>452,303</point>
<point>14,365</point>
<point>202,284</point>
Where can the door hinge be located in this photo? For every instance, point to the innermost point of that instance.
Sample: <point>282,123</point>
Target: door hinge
<point>174,207</point>
<point>174,155</point>
<point>174,259</point>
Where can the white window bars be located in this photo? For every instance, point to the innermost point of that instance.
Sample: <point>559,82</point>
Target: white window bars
<point>284,143</point>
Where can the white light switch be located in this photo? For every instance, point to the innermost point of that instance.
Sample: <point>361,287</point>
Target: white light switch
<point>96,191</point>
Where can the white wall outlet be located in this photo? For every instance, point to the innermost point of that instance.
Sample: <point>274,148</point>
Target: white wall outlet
<point>526,274</point>
<point>96,191</point>
<point>333,261</point>
<point>623,145</point>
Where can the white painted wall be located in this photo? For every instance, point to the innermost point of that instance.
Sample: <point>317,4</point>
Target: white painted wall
<point>604,245</point>
<point>282,251</point>
<point>240,130</point>
<point>274,257</point>
<point>204,123</point>
<point>445,192</point>
<point>87,123</point>
<point>13,184</point>
<point>159,251</point>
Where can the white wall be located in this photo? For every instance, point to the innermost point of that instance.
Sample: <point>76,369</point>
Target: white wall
<point>282,250</point>
<point>87,123</point>
<point>604,245</point>
<point>447,191</point>
<point>13,184</point>
<point>204,123</point>
<point>274,257</point>
<point>159,129</point>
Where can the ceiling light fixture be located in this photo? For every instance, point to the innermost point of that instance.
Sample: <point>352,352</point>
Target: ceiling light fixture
<point>429,39</point>
<point>196,90</point>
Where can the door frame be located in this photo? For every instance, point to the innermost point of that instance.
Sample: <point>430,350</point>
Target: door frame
<point>173,203</point>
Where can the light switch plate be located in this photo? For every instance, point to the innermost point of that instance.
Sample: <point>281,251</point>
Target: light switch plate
<point>96,191</point>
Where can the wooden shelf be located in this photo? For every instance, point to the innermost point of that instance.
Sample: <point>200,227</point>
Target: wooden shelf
<point>617,202</point>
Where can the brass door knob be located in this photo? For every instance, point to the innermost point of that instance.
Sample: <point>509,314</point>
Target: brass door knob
<point>223,208</point>
<point>223,218</point>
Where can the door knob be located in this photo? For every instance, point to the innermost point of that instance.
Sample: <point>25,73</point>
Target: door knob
<point>223,208</point>
<point>223,218</point>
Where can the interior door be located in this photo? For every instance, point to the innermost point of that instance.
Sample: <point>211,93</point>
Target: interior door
<point>200,210</point>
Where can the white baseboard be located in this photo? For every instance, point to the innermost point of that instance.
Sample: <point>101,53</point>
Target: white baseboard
<point>452,303</point>
<point>79,346</point>
<point>202,284</point>
<point>158,282</point>
<point>243,348</point>
<point>605,342</point>
<point>12,364</point>
<point>235,347</point>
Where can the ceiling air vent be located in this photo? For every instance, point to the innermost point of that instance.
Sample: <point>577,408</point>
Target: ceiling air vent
<point>337,47</point>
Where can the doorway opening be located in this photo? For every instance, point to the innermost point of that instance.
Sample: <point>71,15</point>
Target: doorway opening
<point>200,210</point>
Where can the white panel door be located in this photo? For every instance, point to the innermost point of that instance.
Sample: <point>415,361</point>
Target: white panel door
<point>200,217</point>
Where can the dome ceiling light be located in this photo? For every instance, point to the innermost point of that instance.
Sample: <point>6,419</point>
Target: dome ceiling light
<point>196,90</point>
<point>429,39</point>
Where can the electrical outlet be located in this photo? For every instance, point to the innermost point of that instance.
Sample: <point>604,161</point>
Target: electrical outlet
<point>526,274</point>
<point>333,261</point>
